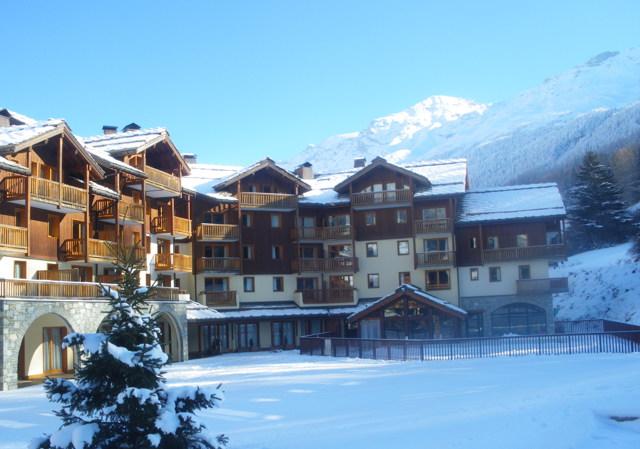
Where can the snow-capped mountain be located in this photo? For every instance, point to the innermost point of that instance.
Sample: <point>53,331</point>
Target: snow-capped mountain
<point>592,106</point>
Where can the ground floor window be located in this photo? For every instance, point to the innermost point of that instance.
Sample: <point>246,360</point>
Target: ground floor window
<point>52,351</point>
<point>247,336</point>
<point>313,326</point>
<point>283,334</point>
<point>407,318</point>
<point>475,324</point>
<point>520,319</point>
<point>214,339</point>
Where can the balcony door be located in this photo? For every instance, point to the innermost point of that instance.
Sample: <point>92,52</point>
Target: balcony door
<point>78,229</point>
<point>52,352</point>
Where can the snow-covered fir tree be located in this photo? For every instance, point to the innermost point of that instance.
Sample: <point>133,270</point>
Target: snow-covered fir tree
<point>119,399</point>
<point>597,212</point>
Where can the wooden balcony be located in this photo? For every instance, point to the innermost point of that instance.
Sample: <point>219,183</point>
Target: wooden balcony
<point>13,238</point>
<point>108,278</point>
<point>45,194</point>
<point>390,198</point>
<point>268,201</point>
<point>159,184</point>
<point>99,250</point>
<point>28,288</point>
<point>128,213</point>
<point>171,225</point>
<point>164,294</point>
<point>324,233</point>
<point>524,253</point>
<point>209,232</point>
<point>326,296</point>
<point>173,262</point>
<point>435,258</point>
<point>219,264</point>
<point>72,275</point>
<point>220,299</point>
<point>326,265</point>
<point>440,226</point>
<point>538,286</point>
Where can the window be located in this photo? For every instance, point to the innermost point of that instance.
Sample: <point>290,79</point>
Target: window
<point>475,324</point>
<point>249,284</point>
<point>437,279</point>
<point>553,238</point>
<point>276,220</point>
<point>278,284</point>
<point>520,319</point>
<point>494,274</point>
<point>524,272</point>
<point>276,252</point>
<point>305,284</point>
<point>54,226</point>
<point>307,252</point>
<point>216,284</point>
<point>370,218</point>
<point>339,220</point>
<point>283,334</point>
<point>403,247</point>
<point>373,280</point>
<point>492,242</point>
<point>522,240</point>
<point>372,249</point>
<point>435,245</point>
<point>434,213</point>
<point>176,282</point>
<point>20,217</point>
<point>247,252</point>
<point>404,277</point>
<point>474,274</point>
<point>19,270</point>
<point>473,243</point>
<point>247,336</point>
<point>246,220</point>
<point>401,216</point>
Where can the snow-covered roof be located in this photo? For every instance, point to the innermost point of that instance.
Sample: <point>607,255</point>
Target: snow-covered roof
<point>419,179</point>
<point>13,167</point>
<point>198,312</point>
<point>101,190</point>
<point>410,289</point>
<point>12,136</point>
<point>106,160</point>
<point>511,203</point>
<point>253,168</point>
<point>17,118</point>
<point>204,176</point>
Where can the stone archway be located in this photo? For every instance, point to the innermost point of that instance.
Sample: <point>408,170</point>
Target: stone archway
<point>170,336</point>
<point>40,352</point>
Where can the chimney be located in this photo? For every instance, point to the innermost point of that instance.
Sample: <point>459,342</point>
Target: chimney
<point>108,129</point>
<point>359,162</point>
<point>190,158</point>
<point>4,121</point>
<point>131,127</point>
<point>305,171</point>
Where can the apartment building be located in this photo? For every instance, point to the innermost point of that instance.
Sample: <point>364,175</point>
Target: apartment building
<point>65,203</point>
<point>278,256</point>
<point>253,258</point>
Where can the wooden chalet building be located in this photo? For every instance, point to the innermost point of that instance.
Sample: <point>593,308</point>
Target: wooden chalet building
<point>253,258</point>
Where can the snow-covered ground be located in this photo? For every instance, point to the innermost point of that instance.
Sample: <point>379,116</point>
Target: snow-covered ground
<point>603,284</point>
<point>287,401</point>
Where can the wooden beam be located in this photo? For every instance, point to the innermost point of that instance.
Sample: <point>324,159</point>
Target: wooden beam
<point>27,202</point>
<point>60,147</point>
<point>87,216</point>
<point>240,231</point>
<point>117,208</point>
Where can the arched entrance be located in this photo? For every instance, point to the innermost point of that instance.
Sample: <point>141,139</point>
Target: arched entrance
<point>170,337</point>
<point>41,352</point>
<point>519,319</point>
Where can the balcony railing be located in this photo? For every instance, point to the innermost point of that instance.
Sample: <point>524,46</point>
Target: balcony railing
<point>72,275</point>
<point>433,226</point>
<point>165,294</point>
<point>435,258</point>
<point>225,298</point>
<point>45,191</point>
<point>217,232</point>
<point>173,262</point>
<point>328,265</point>
<point>323,233</point>
<point>271,201</point>
<point>380,198</point>
<point>13,238</point>
<point>219,264</point>
<point>158,178</point>
<point>341,295</point>
<point>28,288</point>
<point>550,285</point>
<point>99,250</point>
<point>170,224</point>
<point>524,253</point>
<point>127,212</point>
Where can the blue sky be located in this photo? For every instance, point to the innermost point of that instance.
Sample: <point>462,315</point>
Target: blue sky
<point>235,81</point>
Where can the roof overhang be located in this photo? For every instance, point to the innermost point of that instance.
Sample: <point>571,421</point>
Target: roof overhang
<point>379,162</point>
<point>268,164</point>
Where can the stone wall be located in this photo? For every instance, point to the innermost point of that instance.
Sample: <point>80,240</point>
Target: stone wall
<point>84,316</point>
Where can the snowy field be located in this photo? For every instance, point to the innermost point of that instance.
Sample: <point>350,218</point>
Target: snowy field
<point>287,401</point>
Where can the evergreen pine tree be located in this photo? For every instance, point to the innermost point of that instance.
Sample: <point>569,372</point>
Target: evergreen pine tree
<point>119,399</point>
<point>597,212</point>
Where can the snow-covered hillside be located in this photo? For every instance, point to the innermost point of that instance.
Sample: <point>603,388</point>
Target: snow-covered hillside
<point>604,283</point>
<point>590,106</point>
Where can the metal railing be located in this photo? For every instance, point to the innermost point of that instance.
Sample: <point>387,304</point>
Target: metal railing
<point>384,197</point>
<point>523,253</point>
<point>438,226</point>
<point>13,237</point>
<point>256,200</point>
<point>213,232</point>
<point>435,258</point>
<point>549,285</point>
<point>225,298</point>
<point>471,348</point>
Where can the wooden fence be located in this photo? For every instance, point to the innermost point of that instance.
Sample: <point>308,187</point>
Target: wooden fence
<point>471,348</point>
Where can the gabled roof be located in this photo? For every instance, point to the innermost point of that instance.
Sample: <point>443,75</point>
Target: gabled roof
<point>381,162</point>
<point>17,138</point>
<point>13,167</point>
<point>263,164</point>
<point>511,204</point>
<point>16,118</point>
<point>132,142</point>
<point>414,293</point>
